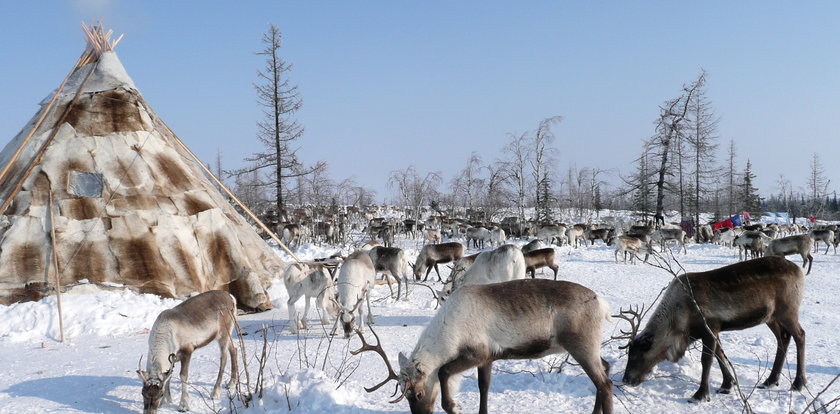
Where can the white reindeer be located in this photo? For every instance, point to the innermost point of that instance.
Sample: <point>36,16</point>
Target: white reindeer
<point>301,280</point>
<point>356,279</point>
<point>519,319</point>
<point>179,331</point>
<point>499,265</point>
<point>497,237</point>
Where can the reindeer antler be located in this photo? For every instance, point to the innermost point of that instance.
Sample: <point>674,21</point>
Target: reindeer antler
<point>391,374</point>
<point>634,317</point>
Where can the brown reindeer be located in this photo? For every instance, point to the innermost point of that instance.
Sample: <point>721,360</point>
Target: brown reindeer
<point>700,305</point>
<point>432,254</point>
<point>537,259</point>
<point>179,331</point>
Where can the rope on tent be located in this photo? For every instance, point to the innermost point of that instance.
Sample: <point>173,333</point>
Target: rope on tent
<point>233,197</point>
<point>57,268</point>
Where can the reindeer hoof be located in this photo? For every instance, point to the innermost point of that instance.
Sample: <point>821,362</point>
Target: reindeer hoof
<point>724,390</point>
<point>700,396</point>
<point>766,385</point>
<point>797,385</point>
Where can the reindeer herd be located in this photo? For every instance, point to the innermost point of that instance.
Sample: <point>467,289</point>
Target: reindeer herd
<point>491,310</point>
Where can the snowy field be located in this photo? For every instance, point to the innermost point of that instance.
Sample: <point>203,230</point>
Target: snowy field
<point>107,332</point>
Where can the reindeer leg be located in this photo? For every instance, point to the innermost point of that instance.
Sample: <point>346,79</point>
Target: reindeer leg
<point>322,305</point>
<point>438,273</point>
<point>185,385</point>
<point>396,275</point>
<point>388,280</point>
<point>224,351</point>
<point>293,319</point>
<point>726,385</point>
<point>305,312</point>
<point>799,337</point>
<point>597,369</point>
<point>555,268</point>
<point>709,345</point>
<point>484,377</point>
<point>370,314</point>
<point>465,361</point>
<point>428,270</point>
<point>234,366</point>
<point>782,343</point>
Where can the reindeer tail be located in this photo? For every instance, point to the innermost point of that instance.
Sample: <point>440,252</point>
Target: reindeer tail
<point>605,309</point>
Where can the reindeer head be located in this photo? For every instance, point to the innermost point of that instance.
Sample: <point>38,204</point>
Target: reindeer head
<point>652,346</point>
<point>418,390</point>
<point>154,388</point>
<point>347,316</point>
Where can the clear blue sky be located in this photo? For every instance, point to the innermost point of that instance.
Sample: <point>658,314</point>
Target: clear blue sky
<point>389,83</point>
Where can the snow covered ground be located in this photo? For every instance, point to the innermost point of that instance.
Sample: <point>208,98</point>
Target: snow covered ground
<point>94,370</point>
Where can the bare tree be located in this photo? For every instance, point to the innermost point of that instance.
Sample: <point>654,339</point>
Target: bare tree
<point>413,190</point>
<point>496,188</point>
<point>540,161</point>
<point>700,139</point>
<point>639,184</point>
<point>671,118</point>
<point>516,167</point>
<point>466,186</point>
<point>817,181</point>
<point>278,130</point>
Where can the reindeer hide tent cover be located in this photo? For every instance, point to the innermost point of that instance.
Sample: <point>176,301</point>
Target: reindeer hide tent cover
<point>131,204</point>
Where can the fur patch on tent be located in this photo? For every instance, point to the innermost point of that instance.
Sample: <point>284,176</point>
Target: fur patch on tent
<point>81,208</point>
<point>106,112</point>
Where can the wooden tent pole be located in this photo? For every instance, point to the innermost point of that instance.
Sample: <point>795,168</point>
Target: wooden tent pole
<point>230,194</point>
<point>40,119</point>
<point>47,143</point>
<point>57,268</point>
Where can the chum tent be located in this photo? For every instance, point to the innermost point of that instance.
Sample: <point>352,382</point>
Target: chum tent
<point>128,202</point>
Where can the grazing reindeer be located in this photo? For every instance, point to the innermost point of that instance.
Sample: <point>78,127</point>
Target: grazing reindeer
<point>179,331</point>
<point>704,234</point>
<point>551,233</point>
<point>387,235</point>
<point>355,281</point>
<point>599,234</point>
<point>725,236</point>
<point>432,235</point>
<point>535,244</point>
<point>391,260</point>
<point>519,319</point>
<point>537,259</point>
<point>493,266</point>
<point>306,281</point>
<point>432,254</point>
<point>700,305</point>
<point>497,237</point>
<point>575,235</point>
<point>825,236</point>
<point>630,244</point>
<point>747,243</point>
<point>792,245</point>
<point>461,265</point>
<point>663,235</point>
<point>292,234</point>
<point>478,235</point>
